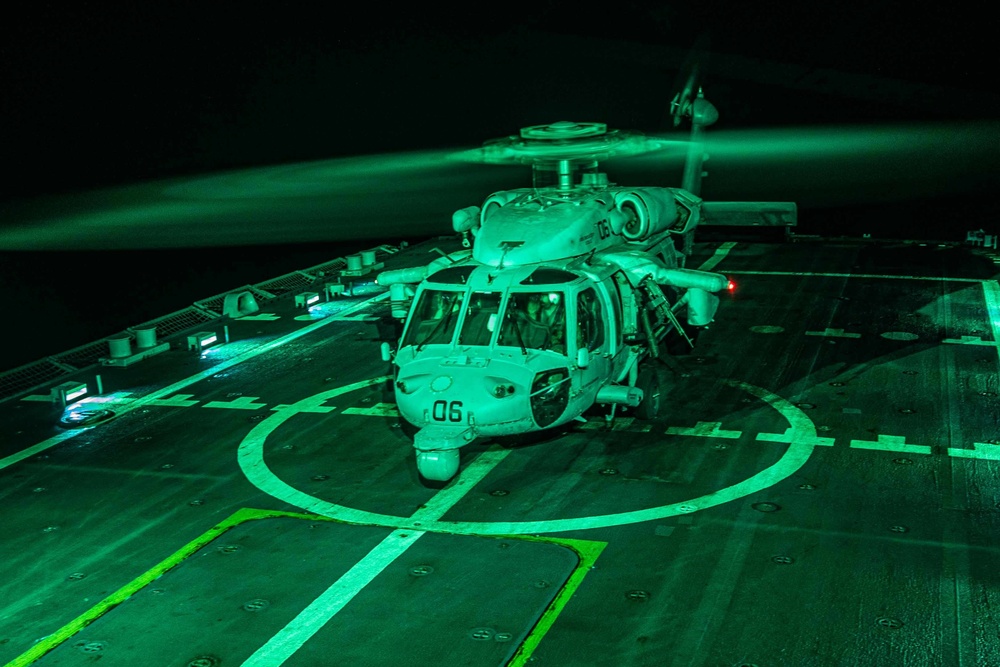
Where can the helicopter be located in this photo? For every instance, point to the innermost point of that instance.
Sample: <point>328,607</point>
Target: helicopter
<point>561,296</point>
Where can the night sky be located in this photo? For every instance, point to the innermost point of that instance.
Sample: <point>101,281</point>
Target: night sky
<point>96,97</point>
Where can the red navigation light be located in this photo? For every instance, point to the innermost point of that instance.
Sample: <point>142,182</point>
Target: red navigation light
<point>732,286</point>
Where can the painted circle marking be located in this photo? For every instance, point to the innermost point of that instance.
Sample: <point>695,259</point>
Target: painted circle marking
<point>251,459</point>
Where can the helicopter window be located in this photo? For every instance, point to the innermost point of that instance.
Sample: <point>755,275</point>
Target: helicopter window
<point>452,275</point>
<point>549,277</point>
<point>589,323</point>
<point>434,318</point>
<point>535,320</point>
<point>480,318</point>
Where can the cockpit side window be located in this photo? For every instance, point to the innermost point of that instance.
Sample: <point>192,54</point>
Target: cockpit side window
<point>535,320</point>
<point>589,321</point>
<point>434,318</point>
<point>480,318</point>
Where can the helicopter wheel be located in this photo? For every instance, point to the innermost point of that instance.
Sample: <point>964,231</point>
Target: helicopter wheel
<point>649,382</point>
<point>438,466</point>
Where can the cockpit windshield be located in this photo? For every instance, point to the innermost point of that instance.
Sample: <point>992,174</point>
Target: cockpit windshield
<point>480,318</point>
<point>535,320</point>
<point>435,317</point>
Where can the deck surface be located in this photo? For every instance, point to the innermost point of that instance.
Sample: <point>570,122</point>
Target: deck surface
<point>821,488</point>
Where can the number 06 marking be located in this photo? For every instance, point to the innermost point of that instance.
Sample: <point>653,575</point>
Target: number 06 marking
<point>445,411</point>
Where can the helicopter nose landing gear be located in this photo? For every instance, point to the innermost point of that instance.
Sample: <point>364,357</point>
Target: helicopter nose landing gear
<point>437,451</point>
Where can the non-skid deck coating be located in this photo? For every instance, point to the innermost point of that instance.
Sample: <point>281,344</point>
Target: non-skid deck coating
<point>822,488</point>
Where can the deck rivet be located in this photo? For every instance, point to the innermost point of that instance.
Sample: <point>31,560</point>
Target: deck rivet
<point>837,384</point>
<point>499,492</point>
<point>910,373</point>
<point>234,394</point>
<point>77,576</point>
<point>257,418</point>
<point>906,411</point>
<point>90,647</point>
<point>228,548</point>
<point>166,466</point>
<point>204,661</point>
<point>197,502</point>
<point>257,604</point>
<point>719,446</point>
<point>807,487</point>
<point>782,560</point>
<point>608,471</point>
<point>824,428</point>
<point>891,623</point>
<point>503,637</point>
<point>320,478</point>
<point>988,394</point>
<point>541,583</point>
<point>903,461</point>
<point>50,529</point>
<point>481,634</point>
<point>766,507</point>
<point>38,489</point>
<point>899,529</point>
<point>421,570</point>
<point>805,406</point>
<point>637,595</point>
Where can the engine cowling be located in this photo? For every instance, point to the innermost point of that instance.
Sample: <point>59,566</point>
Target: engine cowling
<point>647,211</point>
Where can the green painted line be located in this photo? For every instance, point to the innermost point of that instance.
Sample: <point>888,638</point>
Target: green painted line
<point>176,401</point>
<point>705,430</point>
<point>587,552</point>
<point>980,450</point>
<point>67,631</point>
<point>241,403</point>
<point>891,443</point>
<point>833,333</point>
<point>377,410</point>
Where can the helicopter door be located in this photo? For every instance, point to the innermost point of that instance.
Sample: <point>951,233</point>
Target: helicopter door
<point>591,333</point>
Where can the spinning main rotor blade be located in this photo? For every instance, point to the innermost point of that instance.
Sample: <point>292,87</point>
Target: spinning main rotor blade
<point>848,165</point>
<point>379,196</point>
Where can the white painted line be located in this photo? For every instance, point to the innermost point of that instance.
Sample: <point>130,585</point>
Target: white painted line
<point>377,410</point>
<point>290,638</point>
<point>794,435</point>
<point>833,333</point>
<point>177,401</point>
<point>262,317</point>
<point>40,398</point>
<point>971,340</point>
<point>795,274</point>
<point>720,254</point>
<point>149,399</point>
<point>891,443</point>
<point>704,430</point>
<point>241,403</point>
<point>991,293</point>
<point>319,409</point>
<point>251,460</point>
<point>980,450</point>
